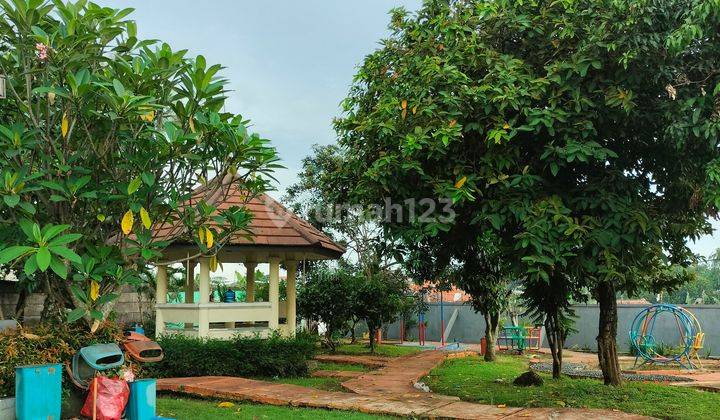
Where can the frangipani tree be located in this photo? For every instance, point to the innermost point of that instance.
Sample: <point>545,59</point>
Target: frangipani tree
<point>102,138</point>
<point>585,133</point>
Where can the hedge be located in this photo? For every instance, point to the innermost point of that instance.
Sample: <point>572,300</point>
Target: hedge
<point>240,356</point>
<point>46,343</point>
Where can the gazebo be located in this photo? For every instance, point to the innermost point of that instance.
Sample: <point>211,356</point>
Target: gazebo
<point>278,237</point>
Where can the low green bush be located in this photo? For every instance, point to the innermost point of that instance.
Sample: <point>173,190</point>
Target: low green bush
<point>240,356</point>
<point>46,343</point>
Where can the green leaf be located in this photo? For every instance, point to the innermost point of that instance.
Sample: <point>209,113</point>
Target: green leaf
<point>66,253</point>
<point>30,265</point>
<point>43,258</point>
<point>53,231</point>
<point>36,234</point>
<point>134,185</point>
<point>148,178</point>
<point>106,298</point>
<point>79,293</point>
<point>95,314</point>
<point>554,168</point>
<point>11,200</point>
<point>59,268</point>
<point>27,228</point>
<point>28,207</point>
<point>12,253</point>
<point>75,314</point>
<point>119,88</point>
<point>65,239</point>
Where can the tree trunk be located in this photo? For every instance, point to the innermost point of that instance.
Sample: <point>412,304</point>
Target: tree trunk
<point>556,340</point>
<point>492,323</point>
<point>20,305</point>
<point>353,338</point>
<point>329,341</point>
<point>607,332</point>
<point>372,331</point>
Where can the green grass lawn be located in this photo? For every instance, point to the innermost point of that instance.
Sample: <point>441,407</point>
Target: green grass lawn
<point>390,350</point>
<point>194,409</point>
<point>473,379</point>
<point>340,366</point>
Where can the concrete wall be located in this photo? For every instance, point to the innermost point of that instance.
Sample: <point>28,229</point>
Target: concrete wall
<point>127,309</point>
<point>469,326</point>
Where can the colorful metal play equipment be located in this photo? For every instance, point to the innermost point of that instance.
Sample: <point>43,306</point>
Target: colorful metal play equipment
<point>646,344</point>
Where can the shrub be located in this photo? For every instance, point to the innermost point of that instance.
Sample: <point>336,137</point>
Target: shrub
<point>46,343</point>
<point>241,356</point>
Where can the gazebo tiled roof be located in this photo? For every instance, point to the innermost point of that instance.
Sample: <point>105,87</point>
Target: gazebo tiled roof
<point>272,226</point>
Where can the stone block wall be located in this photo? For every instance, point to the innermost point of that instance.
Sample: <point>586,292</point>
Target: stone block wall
<point>128,308</point>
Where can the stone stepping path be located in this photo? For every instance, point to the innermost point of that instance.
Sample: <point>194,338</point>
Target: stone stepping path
<point>389,391</point>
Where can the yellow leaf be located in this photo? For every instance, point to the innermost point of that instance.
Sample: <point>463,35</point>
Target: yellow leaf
<point>452,123</point>
<point>201,234</point>
<point>226,404</point>
<point>94,290</point>
<point>148,117</point>
<point>65,125</point>
<point>404,104</point>
<point>414,109</point>
<point>210,238</point>
<point>127,222</point>
<point>51,98</point>
<point>145,217</point>
<point>191,123</point>
<point>213,263</point>
<point>506,126</point>
<point>404,113</point>
<point>461,182</point>
<point>101,217</point>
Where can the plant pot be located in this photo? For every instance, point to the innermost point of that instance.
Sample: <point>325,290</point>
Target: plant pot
<point>7,408</point>
<point>229,297</point>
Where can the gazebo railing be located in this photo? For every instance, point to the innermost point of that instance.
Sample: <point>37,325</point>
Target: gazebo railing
<point>204,314</point>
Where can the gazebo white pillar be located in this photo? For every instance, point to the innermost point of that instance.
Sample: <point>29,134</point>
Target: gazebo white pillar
<point>274,293</point>
<point>291,316</point>
<point>160,297</point>
<point>189,287</point>
<point>250,281</point>
<point>204,280</point>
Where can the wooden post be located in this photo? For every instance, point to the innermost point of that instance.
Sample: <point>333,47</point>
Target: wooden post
<point>160,297</point>
<point>250,281</point>
<point>274,293</point>
<point>204,279</point>
<point>291,294</point>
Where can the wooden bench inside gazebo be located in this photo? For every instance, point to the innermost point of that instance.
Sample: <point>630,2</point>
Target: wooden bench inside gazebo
<point>278,237</point>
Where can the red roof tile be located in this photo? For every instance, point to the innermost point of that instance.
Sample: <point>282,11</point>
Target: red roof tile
<point>272,224</point>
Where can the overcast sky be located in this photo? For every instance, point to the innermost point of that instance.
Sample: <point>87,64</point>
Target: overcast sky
<point>289,62</point>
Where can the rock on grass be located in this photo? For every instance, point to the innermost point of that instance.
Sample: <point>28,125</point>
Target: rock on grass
<point>528,379</point>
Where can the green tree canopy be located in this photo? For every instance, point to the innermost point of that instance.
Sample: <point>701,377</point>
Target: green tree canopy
<point>103,137</point>
<point>584,133</point>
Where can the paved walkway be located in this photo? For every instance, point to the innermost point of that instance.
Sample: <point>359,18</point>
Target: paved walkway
<point>389,390</point>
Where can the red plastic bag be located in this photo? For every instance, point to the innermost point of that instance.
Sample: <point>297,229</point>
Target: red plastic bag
<point>112,397</point>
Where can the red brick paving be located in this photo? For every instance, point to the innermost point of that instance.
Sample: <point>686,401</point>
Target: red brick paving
<point>389,390</point>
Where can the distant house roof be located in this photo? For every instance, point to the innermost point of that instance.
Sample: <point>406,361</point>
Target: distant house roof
<point>272,226</point>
